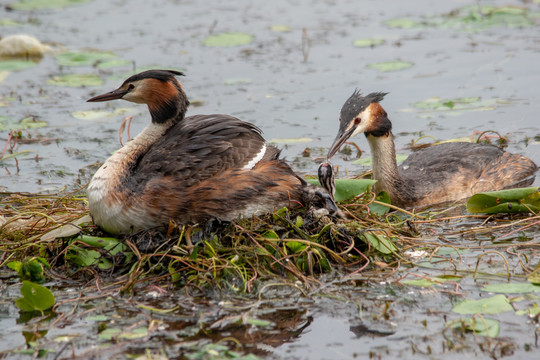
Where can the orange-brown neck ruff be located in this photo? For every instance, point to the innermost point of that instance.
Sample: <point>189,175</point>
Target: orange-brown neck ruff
<point>378,122</point>
<point>165,99</point>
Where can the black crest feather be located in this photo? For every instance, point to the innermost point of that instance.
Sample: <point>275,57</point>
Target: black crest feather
<point>357,103</point>
<point>163,75</point>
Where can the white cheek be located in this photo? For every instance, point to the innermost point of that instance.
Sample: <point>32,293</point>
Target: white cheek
<point>360,129</point>
<point>133,97</point>
<point>365,116</point>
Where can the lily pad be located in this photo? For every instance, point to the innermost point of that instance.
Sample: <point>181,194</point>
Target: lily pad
<point>76,80</point>
<point>16,65</point>
<point>26,123</point>
<point>402,23</point>
<point>386,66</point>
<point>280,28</point>
<point>228,39</point>
<point>235,81</point>
<point>379,209</point>
<point>9,22</point>
<point>113,63</point>
<point>477,325</point>
<point>492,305</point>
<point>31,269</point>
<point>347,188</point>
<point>531,311</point>
<point>35,297</point>
<point>100,114</point>
<point>419,282</point>
<point>505,201</point>
<point>380,241</point>
<point>456,106</point>
<point>368,42</point>
<point>512,288</point>
<point>472,19</point>
<point>44,4</point>
<point>84,58</point>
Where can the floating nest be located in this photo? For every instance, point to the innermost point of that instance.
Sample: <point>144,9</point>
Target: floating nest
<point>57,234</point>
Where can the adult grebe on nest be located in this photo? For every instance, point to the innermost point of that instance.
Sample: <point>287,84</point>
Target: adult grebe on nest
<point>189,169</point>
<point>445,172</point>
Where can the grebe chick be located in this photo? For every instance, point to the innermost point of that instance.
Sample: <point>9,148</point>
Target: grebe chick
<point>445,172</point>
<point>189,169</point>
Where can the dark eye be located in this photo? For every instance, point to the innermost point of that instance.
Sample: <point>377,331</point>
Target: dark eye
<point>357,120</point>
<point>131,87</point>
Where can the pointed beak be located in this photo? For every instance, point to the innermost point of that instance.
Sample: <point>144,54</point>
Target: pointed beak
<point>340,139</point>
<point>113,95</point>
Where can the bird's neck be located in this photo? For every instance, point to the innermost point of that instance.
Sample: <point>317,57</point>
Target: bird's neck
<point>111,175</point>
<point>171,105</point>
<point>385,170</point>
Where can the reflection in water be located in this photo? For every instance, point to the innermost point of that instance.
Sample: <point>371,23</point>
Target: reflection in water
<point>332,338</point>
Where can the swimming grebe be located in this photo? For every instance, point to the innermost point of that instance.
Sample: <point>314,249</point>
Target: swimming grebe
<point>445,172</point>
<point>189,170</point>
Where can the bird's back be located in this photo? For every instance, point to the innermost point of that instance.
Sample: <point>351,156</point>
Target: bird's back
<point>452,171</point>
<point>198,148</point>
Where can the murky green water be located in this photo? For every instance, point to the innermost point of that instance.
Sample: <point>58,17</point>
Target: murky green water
<point>291,81</point>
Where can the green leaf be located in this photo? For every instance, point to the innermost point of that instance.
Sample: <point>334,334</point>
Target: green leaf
<point>35,297</point>
<point>385,66</point>
<point>379,241</point>
<point>83,257</point>
<point>15,65</point>
<point>134,334</point>
<point>107,64</point>
<point>236,81</point>
<point>228,39</point>
<point>26,123</point>
<point>100,114</point>
<point>492,305</point>
<point>512,288</point>
<point>9,22</point>
<point>472,18</point>
<point>531,311</point>
<point>295,246</point>
<point>30,269</point>
<point>477,325</point>
<point>270,234</point>
<point>280,28</point>
<point>84,58</point>
<point>534,278</point>
<point>378,209</point>
<point>402,23</point>
<point>108,334</point>
<point>505,201</point>
<point>419,282</point>
<point>76,80</point>
<point>114,246</point>
<point>368,42</point>
<point>347,188</point>
<point>44,4</point>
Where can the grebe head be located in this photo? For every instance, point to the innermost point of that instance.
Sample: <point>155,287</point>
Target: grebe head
<point>159,89</point>
<point>361,114</point>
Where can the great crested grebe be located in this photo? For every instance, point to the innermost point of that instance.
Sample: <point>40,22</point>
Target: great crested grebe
<point>445,172</point>
<point>189,169</point>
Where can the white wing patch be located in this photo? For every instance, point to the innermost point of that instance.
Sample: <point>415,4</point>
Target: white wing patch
<point>250,165</point>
